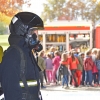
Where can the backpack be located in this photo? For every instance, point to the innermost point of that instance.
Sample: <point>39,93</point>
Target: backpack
<point>97,63</point>
<point>61,69</point>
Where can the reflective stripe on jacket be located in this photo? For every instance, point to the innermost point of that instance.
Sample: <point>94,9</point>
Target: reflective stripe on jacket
<point>29,83</point>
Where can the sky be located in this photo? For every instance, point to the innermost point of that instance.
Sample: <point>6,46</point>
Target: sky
<point>36,6</point>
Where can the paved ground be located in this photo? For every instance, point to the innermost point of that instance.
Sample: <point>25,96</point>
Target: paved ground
<point>82,93</point>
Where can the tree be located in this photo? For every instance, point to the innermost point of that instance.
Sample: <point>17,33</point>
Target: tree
<point>75,8</point>
<point>10,7</point>
<point>53,9</point>
<point>2,28</point>
<point>63,9</point>
<point>87,10</point>
<point>90,10</point>
<point>5,19</point>
<point>71,10</point>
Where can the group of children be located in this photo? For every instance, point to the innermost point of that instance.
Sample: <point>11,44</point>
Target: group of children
<point>73,69</point>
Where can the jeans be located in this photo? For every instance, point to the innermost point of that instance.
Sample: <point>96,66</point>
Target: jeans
<point>58,75</point>
<point>65,80</point>
<point>99,76</point>
<point>95,77</point>
<point>89,77</point>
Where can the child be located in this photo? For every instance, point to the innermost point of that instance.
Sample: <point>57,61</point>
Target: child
<point>49,67</point>
<point>64,65</point>
<point>88,66</point>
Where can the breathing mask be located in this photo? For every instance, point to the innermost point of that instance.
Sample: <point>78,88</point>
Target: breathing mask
<point>32,40</point>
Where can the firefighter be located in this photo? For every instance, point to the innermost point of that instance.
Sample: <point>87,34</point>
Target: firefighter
<point>22,83</point>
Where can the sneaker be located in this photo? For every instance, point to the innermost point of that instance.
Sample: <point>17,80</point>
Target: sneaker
<point>67,87</point>
<point>43,87</point>
<point>62,86</point>
<point>76,86</point>
<point>80,86</point>
<point>90,86</point>
<point>83,85</point>
<point>53,84</point>
<point>47,83</point>
<point>95,85</point>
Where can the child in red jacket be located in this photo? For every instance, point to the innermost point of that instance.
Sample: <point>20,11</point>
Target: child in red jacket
<point>88,66</point>
<point>73,63</point>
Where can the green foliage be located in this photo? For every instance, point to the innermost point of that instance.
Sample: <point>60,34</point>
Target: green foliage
<point>90,10</point>
<point>71,10</point>
<point>2,28</point>
<point>5,19</point>
<point>4,41</point>
<point>53,9</point>
<point>76,8</point>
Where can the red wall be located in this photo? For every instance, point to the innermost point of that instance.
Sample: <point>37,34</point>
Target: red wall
<point>97,37</point>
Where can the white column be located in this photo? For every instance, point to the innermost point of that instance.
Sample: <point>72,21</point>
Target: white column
<point>67,41</point>
<point>91,40</point>
<point>44,41</point>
